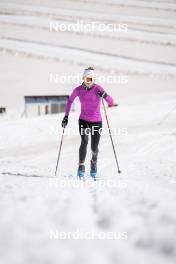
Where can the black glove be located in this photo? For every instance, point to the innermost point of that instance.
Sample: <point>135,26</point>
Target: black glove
<point>102,94</point>
<point>65,121</point>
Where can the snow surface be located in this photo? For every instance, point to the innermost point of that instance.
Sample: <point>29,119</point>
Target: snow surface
<point>139,202</point>
<point>84,56</point>
<point>21,8</point>
<point>139,35</point>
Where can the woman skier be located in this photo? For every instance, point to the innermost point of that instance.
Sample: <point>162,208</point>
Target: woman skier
<point>90,120</point>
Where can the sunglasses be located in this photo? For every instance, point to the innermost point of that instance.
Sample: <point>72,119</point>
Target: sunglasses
<point>88,79</point>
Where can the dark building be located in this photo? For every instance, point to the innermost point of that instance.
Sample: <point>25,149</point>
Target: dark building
<point>43,105</point>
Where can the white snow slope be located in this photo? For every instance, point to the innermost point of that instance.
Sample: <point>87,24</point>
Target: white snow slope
<point>137,205</point>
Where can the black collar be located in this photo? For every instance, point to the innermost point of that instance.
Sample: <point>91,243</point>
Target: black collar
<point>86,87</point>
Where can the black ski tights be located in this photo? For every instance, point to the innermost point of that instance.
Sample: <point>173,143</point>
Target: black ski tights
<point>85,129</point>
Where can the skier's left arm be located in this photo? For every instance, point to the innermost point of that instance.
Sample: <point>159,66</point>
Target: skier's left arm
<point>103,94</point>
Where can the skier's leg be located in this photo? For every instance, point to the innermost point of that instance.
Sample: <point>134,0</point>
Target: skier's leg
<point>84,133</point>
<point>95,139</point>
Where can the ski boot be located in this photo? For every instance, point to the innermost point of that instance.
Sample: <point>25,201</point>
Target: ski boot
<point>81,170</point>
<point>93,169</point>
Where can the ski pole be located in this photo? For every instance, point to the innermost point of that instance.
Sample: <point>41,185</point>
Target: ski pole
<point>60,150</point>
<point>107,120</point>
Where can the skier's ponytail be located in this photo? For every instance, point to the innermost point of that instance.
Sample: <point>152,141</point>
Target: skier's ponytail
<point>90,68</point>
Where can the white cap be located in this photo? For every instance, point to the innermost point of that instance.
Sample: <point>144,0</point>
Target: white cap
<point>89,73</point>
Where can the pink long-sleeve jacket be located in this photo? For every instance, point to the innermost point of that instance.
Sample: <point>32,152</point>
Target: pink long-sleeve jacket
<point>90,102</point>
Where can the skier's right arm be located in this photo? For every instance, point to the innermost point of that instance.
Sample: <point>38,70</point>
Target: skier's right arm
<point>68,107</point>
